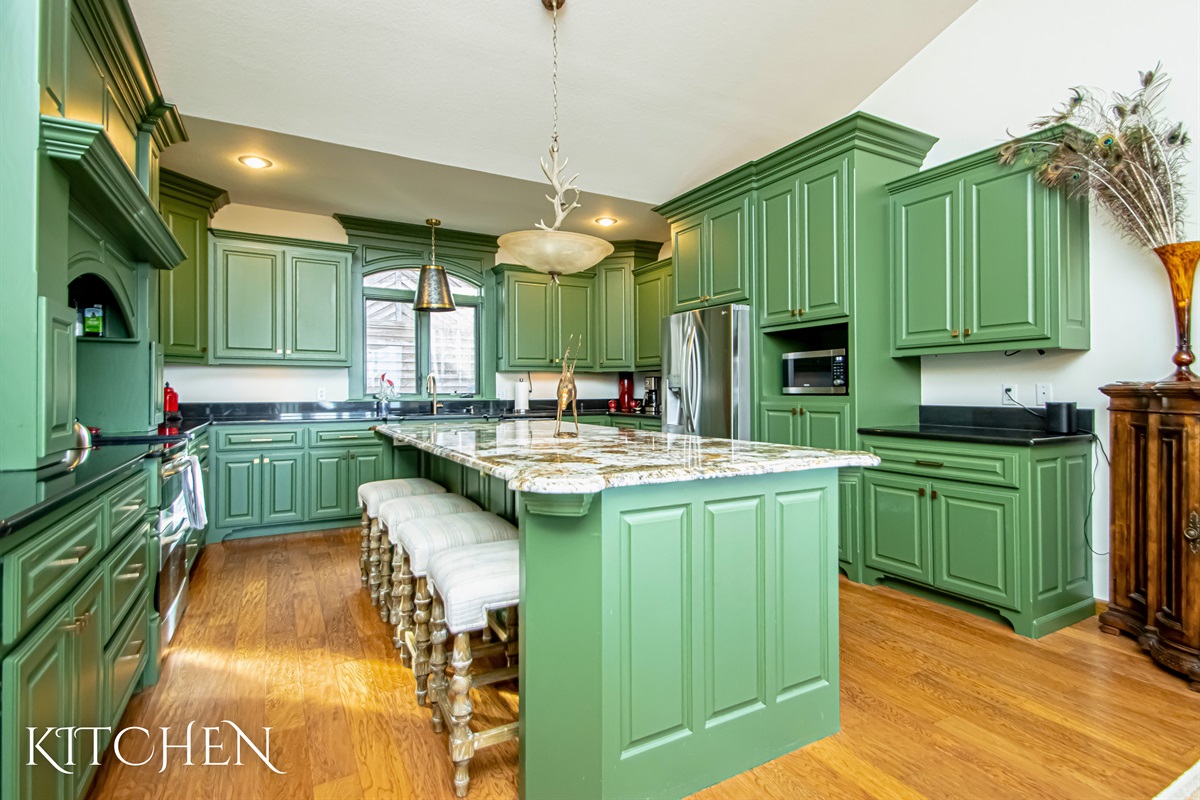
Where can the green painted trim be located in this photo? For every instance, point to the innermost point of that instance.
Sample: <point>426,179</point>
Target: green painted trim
<point>642,249</point>
<point>501,269</point>
<point>281,241</point>
<point>213,534</point>
<point>100,177</point>
<point>166,125</point>
<point>1061,619</point>
<point>665,263</point>
<point>557,505</point>
<point>420,233</point>
<point>178,186</point>
<point>731,184</point>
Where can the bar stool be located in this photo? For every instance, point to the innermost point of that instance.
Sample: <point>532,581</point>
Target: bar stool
<point>413,545</point>
<point>468,583</point>
<point>370,497</point>
<point>394,513</point>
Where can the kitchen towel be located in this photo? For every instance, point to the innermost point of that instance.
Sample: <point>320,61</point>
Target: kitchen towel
<point>193,494</point>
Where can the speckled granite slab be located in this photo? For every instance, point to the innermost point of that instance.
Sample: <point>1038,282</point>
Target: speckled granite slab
<point>526,454</point>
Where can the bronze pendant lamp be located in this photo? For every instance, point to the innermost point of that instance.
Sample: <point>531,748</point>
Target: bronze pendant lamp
<point>433,287</point>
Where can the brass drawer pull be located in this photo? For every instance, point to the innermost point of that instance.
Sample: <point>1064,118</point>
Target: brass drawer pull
<point>133,507</point>
<point>141,643</point>
<point>920,462</point>
<point>81,552</point>
<point>202,447</point>
<point>348,436</point>
<point>262,439</point>
<point>130,576</point>
<point>1192,532</point>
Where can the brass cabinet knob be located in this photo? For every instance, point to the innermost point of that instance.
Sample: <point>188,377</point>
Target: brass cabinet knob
<point>279,352</point>
<point>799,410</point>
<point>967,332</point>
<point>793,411</point>
<point>799,312</point>
<point>266,460</point>
<point>921,492</point>
<point>204,349</point>
<point>256,461</point>
<point>793,312</point>
<point>954,333</point>
<point>933,494</point>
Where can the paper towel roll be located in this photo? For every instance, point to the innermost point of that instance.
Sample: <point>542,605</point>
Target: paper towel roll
<point>521,396</point>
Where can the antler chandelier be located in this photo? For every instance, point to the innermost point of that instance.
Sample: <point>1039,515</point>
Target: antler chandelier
<point>548,249</point>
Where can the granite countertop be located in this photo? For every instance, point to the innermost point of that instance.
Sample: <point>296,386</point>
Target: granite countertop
<point>526,454</point>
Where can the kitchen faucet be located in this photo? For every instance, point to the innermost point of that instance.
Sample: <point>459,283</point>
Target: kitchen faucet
<point>431,388</point>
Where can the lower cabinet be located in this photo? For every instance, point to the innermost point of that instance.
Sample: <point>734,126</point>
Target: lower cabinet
<point>1014,541</point>
<point>334,478</point>
<point>822,423</point>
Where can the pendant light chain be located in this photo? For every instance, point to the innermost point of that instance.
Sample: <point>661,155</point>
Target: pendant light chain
<point>433,244</point>
<point>554,75</point>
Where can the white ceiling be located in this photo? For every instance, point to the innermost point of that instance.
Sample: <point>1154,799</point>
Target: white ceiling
<point>655,97</point>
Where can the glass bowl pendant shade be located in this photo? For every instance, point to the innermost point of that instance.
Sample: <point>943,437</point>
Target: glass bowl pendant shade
<point>433,287</point>
<point>555,252</point>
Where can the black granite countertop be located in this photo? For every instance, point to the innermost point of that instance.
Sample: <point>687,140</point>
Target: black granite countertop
<point>196,415</point>
<point>986,425</point>
<point>26,496</point>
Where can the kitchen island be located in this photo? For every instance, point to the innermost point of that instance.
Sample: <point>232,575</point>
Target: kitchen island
<point>679,597</point>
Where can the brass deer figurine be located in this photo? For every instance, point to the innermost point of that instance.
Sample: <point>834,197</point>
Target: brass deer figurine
<point>567,394</point>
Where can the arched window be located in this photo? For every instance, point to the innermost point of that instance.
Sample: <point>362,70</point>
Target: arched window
<point>407,346</point>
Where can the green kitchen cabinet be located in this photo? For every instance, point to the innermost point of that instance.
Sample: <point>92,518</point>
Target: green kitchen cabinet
<point>186,205</point>
<point>985,257</point>
<point>282,487</point>
<point>629,423</point>
<point>822,423</point>
<point>280,300</point>
<point>366,465</point>
<point>328,480</point>
<point>653,298</point>
<point>620,305</point>
<point>712,255</point>
<point>802,246</point>
<point>538,318</point>
<point>91,699</point>
<point>55,377</point>
<point>898,536</point>
<point>974,541</point>
<point>849,518</point>
<point>238,490</point>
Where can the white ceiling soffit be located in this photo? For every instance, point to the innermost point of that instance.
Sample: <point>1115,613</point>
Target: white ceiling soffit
<point>656,97</point>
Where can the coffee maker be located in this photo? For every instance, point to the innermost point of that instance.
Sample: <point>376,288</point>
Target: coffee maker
<point>650,403</point>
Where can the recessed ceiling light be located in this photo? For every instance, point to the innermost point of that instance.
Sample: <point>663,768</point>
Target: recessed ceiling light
<point>254,162</point>
<point>606,222</point>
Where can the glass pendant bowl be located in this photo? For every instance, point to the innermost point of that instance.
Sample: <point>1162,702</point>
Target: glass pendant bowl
<point>555,252</point>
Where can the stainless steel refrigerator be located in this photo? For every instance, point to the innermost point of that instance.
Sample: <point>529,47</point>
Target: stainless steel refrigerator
<point>706,367</point>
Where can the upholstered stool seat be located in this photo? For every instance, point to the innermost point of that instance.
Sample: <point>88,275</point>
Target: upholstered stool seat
<point>414,543</point>
<point>370,497</point>
<point>468,583</point>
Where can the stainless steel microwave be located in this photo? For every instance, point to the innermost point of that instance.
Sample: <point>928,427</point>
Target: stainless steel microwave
<point>815,372</point>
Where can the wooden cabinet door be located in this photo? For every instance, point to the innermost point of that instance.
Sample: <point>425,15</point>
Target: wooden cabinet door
<point>777,252</point>
<point>576,317</point>
<point>328,484</point>
<point>1006,279</point>
<point>689,239</point>
<point>318,308</point>
<point>823,290</point>
<point>975,542</point>
<point>56,377</point>
<point>91,703</point>
<point>1174,580</point>
<point>651,295</point>
<point>777,422</point>
<point>183,291</point>
<point>283,487</point>
<point>38,691</point>
<point>249,307</point>
<point>898,537</point>
<point>239,498</point>
<point>824,424</point>
<point>927,265</point>
<point>528,305</point>
<point>728,260</point>
<point>618,316</point>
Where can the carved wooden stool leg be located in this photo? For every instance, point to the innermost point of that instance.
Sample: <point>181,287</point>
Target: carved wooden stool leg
<point>385,577</point>
<point>421,640</point>
<point>512,644</point>
<point>462,744</point>
<point>404,612</point>
<point>437,659</point>
<point>365,555</point>
<point>373,562</point>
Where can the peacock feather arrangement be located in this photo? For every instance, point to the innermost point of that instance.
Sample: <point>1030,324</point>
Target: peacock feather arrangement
<point>1118,149</point>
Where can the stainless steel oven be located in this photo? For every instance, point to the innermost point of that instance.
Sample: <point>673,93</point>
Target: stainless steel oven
<point>816,372</point>
<point>173,529</point>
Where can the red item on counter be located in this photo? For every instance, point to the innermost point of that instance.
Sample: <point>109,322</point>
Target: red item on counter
<point>167,430</point>
<point>625,391</point>
<point>170,399</point>
<point>612,405</point>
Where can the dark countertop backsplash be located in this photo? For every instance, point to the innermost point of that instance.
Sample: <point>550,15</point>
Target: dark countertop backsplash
<point>987,425</point>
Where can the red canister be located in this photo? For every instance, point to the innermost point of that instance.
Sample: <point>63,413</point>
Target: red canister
<point>170,400</point>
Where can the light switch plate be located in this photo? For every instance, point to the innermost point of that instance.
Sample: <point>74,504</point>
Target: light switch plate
<point>1045,393</point>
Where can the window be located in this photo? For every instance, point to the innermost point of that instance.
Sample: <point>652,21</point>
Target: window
<point>407,346</point>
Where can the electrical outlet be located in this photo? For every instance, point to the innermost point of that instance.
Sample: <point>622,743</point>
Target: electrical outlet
<point>1008,394</point>
<point>320,392</point>
<point>1045,393</point>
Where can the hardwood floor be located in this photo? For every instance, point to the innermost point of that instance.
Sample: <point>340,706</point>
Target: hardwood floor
<point>935,703</point>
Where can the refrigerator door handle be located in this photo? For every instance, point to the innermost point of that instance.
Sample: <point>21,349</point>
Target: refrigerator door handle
<point>685,394</point>
<point>696,374</point>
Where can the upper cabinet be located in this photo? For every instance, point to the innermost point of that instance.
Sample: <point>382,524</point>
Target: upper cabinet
<point>618,314</point>
<point>278,300</point>
<point>187,205</point>
<point>539,318</point>
<point>711,240</point>
<point>653,298</point>
<point>984,257</point>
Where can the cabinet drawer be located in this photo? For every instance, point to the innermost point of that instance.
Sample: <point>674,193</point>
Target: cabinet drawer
<point>125,656</point>
<point>333,437</point>
<point>127,573</point>
<point>915,457</point>
<point>652,425</point>
<point>127,504</point>
<point>40,572</point>
<point>258,439</point>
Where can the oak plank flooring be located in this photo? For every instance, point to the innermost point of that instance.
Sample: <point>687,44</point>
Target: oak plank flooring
<point>935,702</point>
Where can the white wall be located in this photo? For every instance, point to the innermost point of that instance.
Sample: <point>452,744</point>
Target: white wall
<point>1000,65</point>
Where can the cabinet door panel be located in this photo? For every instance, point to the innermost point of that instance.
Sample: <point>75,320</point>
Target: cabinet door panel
<point>617,322</point>
<point>577,318</point>
<point>975,547</point>
<point>927,265</point>
<point>283,487</point>
<point>56,377</point>
<point>849,514</point>
<point>249,303</point>
<point>238,496</point>
<point>777,221</point>
<point>183,291</point>
<point>649,297</point>
<point>366,465</point>
<point>898,537</point>
<point>777,423</point>
<point>317,307</point>
<point>530,339</point>
<point>823,291</point>
<point>91,701</point>
<point>689,259</point>
<point>1006,287</point>
<point>729,252</point>
<point>825,425</point>
<point>328,485</point>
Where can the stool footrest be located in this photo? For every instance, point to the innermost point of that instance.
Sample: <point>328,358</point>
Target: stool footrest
<point>485,738</point>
